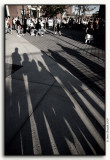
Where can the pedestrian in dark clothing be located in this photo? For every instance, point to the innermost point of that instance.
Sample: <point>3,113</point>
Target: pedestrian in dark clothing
<point>25,25</point>
<point>18,26</point>
<point>18,22</point>
<point>39,28</point>
<point>13,25</point>
<point>89,34</point>
<point>55,25</point>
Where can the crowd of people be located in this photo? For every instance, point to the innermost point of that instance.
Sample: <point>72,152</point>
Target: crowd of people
<point>37,26</point>
<point>33,26</point>
<point>82,23</point>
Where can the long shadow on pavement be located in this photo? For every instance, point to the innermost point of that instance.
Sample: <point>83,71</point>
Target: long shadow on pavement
<point>54,122</point>
<point>65,114</point>
<point>79,36</point>
<point>87,80</point>
<point>16,112</point>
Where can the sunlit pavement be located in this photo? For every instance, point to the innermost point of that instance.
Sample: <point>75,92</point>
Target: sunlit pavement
<point>50,108</point>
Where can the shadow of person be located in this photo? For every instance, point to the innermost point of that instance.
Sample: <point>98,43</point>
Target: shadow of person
<point>88,66</point>
<point>37,76</point>
<point>81,67</point>
<point>81,76</point>
<point>17,112</point>
<point>34,74</point>
<point>96,68</point>
<point>31,75</point>
<point>16,59</point>
<point>67,118</point>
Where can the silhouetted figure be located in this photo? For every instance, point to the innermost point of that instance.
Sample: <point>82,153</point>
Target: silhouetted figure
<point>90,34</point>
<point>17,113</point>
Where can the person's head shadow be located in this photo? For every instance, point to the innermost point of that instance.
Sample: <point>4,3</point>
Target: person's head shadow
<point>26,58</point>
<point>16,50</point>
<point>16,58</point>
<point>40,65</point>
<point>16,61</point>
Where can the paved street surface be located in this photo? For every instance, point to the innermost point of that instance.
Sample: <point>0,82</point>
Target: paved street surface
<point>70,51</point>
<point>54,101</point>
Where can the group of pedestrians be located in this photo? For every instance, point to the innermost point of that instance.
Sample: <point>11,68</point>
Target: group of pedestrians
<point>34,27</point>
<point>37,26</point>
<point>14,24</point>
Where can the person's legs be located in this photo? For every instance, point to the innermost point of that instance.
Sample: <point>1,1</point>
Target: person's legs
<point>92,40</point>
<point>24,29</point>
<point>16,28</point>
<point>44,27</point>
<point>59,30</point>
<point>18,31</point>
<point>55,29</point>
<point>32,32</point>
<point>86,40</point>
<point>42,30</point>
<point>39,32</point>
<point>9,30</point>
<point>13,26</point>
<point>6,30</point>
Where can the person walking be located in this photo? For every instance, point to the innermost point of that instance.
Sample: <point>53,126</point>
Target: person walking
<point>39,28</point>
<point>6,25</point>
<point>13,24</point>
<point>8,28</point>
<point>18,27</point>
<point>25,25</point>
<point>32,29</point>
<point>42,27</point>
<point>59,26</point>
<point>55,25</point>
<point>28,21</point>
<point>89,33</point>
